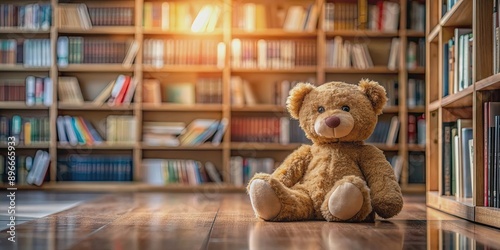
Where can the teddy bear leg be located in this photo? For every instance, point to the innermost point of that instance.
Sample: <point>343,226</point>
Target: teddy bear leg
<point>273,201</point>
<point>348,200</point>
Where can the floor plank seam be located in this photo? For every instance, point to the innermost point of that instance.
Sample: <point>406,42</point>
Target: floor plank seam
<point>207,240</point>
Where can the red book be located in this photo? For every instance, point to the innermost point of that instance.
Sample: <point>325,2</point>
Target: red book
<point>123,91</point>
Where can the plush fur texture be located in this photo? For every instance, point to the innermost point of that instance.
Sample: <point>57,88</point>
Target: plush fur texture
<point>337,117</point>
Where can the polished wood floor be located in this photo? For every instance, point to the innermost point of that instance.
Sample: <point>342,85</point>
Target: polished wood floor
<point>226,221</point>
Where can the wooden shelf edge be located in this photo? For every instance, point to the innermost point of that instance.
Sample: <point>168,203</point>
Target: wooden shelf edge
<point>202,147</point>
<point>432,37</point>
<point>182,69</point>
<point>458,99</point>
<point>263,146</point>
<point>21,105</point>
<point>115,30</point>
<point>300,69</point>
<point>159,31</point>
<point>21,67</point>
<point>34,145</point>
<point>94,67</point>
<point>103,146</point>
<point>181,107</point>
<point>488,215</point>
<point>372,70</point>
<point>272,33</point>
<point>258,108</point>
<point>361,33</point>
<point>463,209</point>
<point>129,187</point>
<point>489,83</point>
<point>451,18</point>
<point>91,106</point>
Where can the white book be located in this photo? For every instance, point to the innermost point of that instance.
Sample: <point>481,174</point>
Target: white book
<point>393,54</point>
<point>214,18</point>
<point>294,18</point>
<point>39,168</point>
<point>237,97</point>
<point>61,131</point>
<point>262,54</point>
<point>249,95</point>
<point>236,164</point>
<point>390,19</point>
<point>131,53</point>
<point>120,80</point>
<point>201,20</point>
<point>249,10</point>
<point>221,55</point>
<point>83,14</point>
<point>284,130</point>
<point>165,16</point>
<point>312,20</point>
<point>70,132</point>
<point>47,91</point>
<point>212,172</point>
<point>393,131</point>
<point>30,90</point>
<point>105,94</point>
<point>216,140</point>
<point>236,53</point>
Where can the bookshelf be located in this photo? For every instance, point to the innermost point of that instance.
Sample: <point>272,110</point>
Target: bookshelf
<point>93,77</point>
<point>450,104</point>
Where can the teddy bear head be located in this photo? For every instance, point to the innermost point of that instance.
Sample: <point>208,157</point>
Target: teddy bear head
<point>337,111</point>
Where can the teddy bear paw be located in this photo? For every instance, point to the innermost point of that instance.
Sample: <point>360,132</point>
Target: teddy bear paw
<point>346,201</point>
<point>265,202</point>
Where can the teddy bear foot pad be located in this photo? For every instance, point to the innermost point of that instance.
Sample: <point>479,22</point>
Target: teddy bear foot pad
<point>345,201</point>
<point>264,201</point>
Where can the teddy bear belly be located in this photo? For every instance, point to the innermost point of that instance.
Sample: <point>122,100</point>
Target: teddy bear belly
<point>321,179</point>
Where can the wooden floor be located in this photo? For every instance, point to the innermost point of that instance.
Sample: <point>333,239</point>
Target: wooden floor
<point>226,221</point>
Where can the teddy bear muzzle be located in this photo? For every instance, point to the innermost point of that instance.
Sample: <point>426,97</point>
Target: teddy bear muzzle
<point>335,125</point>
<point>332,121</point>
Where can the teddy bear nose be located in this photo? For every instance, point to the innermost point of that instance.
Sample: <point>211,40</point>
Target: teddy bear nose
<point>332,121</point>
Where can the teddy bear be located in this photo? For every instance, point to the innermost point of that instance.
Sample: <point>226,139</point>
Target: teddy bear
<point>338,177</point>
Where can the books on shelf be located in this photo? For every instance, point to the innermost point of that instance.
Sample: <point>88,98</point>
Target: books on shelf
<point>69,91</point>
<point>272,54</point>
<point>416,129</point>
<point>393,63</point>
<point>416,93</point>
<point>415,55</point>
<point>40,165</point>
<point>74,16</point>
<point>111,16</point>
<point>198,132</point>
<point>208,90</point>
<point>181,171</point>
<point>25,130</point>
<point>28,52</point>
<point>491,154</point>
<point>386,131</point>
<point>36,16</point>
<point>151,91</point>
<point>162,133</point>
<point>457,69</point>
<point>76,167</point>
<point>77,130</point>
<point>341,15</point>
<point>242,169</point>
<point>158,53</point>
<point>416,167</point>
<point>416,16</point>
<point>384,16</point>
<point>180,93</point>
<point>391,87</point>
<point>77,50</point>
<point>266,130</point>
<point>347,54</point>
<point>120,129</point>
<point>32,90</point>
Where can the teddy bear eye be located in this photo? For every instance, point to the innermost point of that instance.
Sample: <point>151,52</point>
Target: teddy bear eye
<point>345,108</point>
<point>321,109</point>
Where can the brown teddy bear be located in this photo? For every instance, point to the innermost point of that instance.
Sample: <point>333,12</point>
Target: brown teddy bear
<point>338,177</point>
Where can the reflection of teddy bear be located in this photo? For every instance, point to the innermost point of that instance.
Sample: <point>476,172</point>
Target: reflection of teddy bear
<point>338,177</point>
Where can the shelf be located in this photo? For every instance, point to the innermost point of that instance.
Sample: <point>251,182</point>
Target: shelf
<point>159,31</point>
<point>462,208</point>
<point>34,145</point>
<point>459,16</point>
<point>303,69</point>
<point>488,215</point>
<point>259,108</point>
<point>103,146</point>
<point>20,67</point>
<point>273,33</point>
<point>129,187</point>
<point>263,146</point>
<point>360,33</point>
<point>181,107</point>
<point>489,83</point>
<point>390,109</point>
<point>17,30</point>
<point>202,147</point>
<point>415,33</point>
<point>372,70</point>
<point>183,69</point>
<point>21,106</point>
<point>105,30</point>
<point>417,70</point>
<point>416,147</point>
<point>416,109</point>
<point>433,106</point>
<point>459,100</point>
<point>91,106</point>
<point>96,68</point>
<point>433,35</point>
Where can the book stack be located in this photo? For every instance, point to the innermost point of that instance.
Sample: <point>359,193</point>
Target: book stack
<point>74,16</point>
<point>272,54</point>
<point>416,129</point>
<point>416,93</point>
<point>491,155</point>
<point>120,129</point>
<point>75,50</point>
<point>243,169</point>
<point>162,133</point>
<point>111,16</point>
<point>33,90</point>
<point>77,131</point>
<point>346,54</point>
<point>76,167</point>
<point>159,52</point>
<point>182,16</point>
<point>457,61</point>
<point>25,130</point>
<point>262,129</point>
<point>386,131</point>
<point>171,171</point>
<point>68,90</point>
<point>29,52</point>
<point>341,16</point>
<point>208,90</point>
<point>38,168</point>
<point>200,131</point>
<point>256,16</point>
<point>29,16</point>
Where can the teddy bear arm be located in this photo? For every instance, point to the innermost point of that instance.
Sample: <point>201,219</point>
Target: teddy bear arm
<point>387,200</point>
<point>294,166</point>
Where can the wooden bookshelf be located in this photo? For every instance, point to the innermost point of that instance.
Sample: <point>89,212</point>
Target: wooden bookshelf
<point>465,104</point>
<point>225,33</point>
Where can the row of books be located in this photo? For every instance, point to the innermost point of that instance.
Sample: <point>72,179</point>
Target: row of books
<point>32,90</point>
<point>415,55</point>
<point>75,167</point>
<point>204,90</point>
<point>458,158</point>
<point>73,15</point>
<point>111,16</point>
<point>266,129</point>
<point>28,169</point>
<point>383,16</point>
<point>416,167</point>
<point>242,169</point>
<point>182,16</point>
<point>496,37</point>
<point>256,16</point>
<point>77,49</point>
<point>416,129</point>
<point>29,52</point>
<point>169,171</point>
<point>120,129</point>
<point>119,91</point>
<point>447,5</point>
<point>272,54</point>
<point>416,16</point>
<point>25,130</point>
<point>77,131</point>
<point>416,93</point>
<point>29,16</point>
<point>457,61</point>
<point>347,54</point>
<point>392,91</point>
<point>160,52</point>
<point>386,131</point>
<point>491,155</point>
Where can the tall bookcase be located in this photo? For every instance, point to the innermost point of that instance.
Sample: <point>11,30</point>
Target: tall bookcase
<point>89,74</point>
<point>445,106</point>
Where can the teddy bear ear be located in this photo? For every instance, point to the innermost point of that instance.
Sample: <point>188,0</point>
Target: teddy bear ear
<point>296,97</point>
<point>375,93</point>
